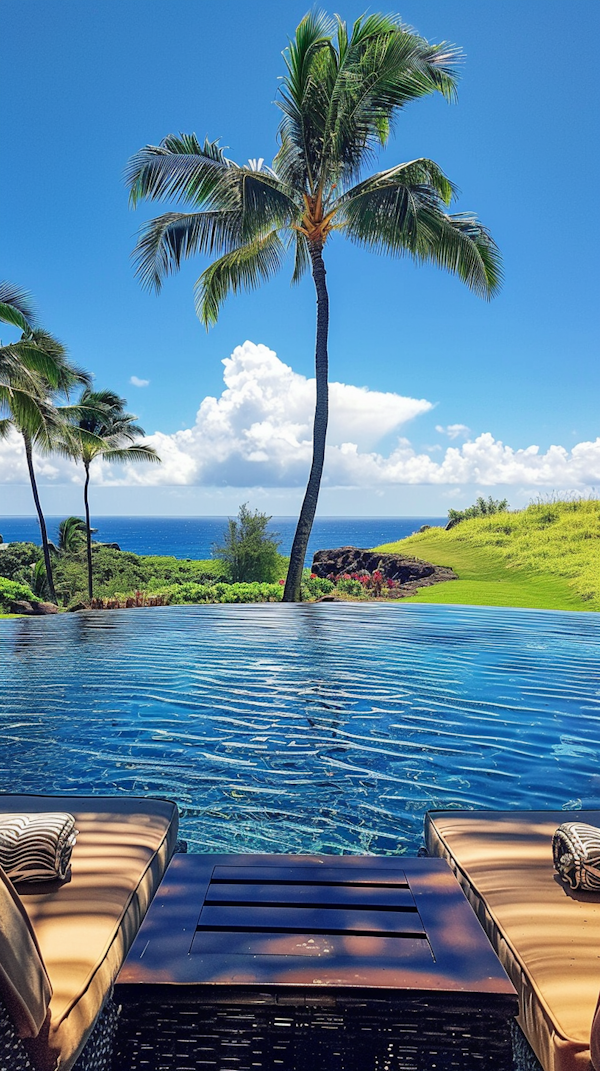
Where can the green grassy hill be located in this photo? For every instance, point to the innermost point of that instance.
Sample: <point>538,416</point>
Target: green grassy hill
<point>545,557</point>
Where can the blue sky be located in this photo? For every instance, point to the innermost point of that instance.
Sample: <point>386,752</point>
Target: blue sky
<point>84,86</point>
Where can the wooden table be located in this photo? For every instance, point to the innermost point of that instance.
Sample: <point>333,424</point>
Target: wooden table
<point>338,959</point>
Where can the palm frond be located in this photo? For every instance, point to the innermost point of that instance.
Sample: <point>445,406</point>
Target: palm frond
<point>167,240</point>
<point>462,245</point>
<point>385,66</point>
<point>264,201</point>
<point>179,168</point>
<point>241,269</point>
<point>311,63</point>
<point>410,220</point>
<point>139,452</point>
<point>16,306</point>
<point>301,258</point>
<point>420,172</point>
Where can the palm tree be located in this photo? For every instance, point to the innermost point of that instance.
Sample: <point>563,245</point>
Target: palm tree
<point>339,97</point>
<point>34,373</point>
<point>72,535</point>
<point>105,430</point>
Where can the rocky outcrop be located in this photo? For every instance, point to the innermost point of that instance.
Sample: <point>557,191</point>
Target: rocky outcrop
<point>32,609</point>
<point>409,573</point>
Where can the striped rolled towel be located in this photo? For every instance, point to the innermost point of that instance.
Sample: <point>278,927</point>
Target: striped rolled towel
<point>36,847</point>
<point>576,852</point>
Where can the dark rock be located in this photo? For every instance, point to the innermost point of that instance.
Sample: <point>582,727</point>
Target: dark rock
<point>77,606</point>
<point>42,608</point>
<point>110,546</point>
<point>410,573</point>
<point>19,606</point>
<point>424,528</point>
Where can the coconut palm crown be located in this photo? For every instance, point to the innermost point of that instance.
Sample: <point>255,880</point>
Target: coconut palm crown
<point>340,95</point>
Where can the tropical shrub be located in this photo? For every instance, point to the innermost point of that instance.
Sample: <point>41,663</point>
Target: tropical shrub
<point>481,508</point>
<point>249,552</point>
<point>348,585</point>
<point>316,586</point>
<point>12,591</point>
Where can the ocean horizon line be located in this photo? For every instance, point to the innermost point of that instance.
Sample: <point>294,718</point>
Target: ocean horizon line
<point>221,516</point>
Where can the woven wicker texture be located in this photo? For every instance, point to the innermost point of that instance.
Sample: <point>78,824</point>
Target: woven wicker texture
<point>97,1055</point>
<point>378,1036</point>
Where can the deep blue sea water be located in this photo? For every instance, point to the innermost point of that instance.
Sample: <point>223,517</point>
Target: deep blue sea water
<point>316,727</point>
<point>194,537</point>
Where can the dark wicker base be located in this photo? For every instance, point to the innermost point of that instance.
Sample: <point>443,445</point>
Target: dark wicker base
<point>97,1055</point>
<point>412,1035</point>
<point>523,1055</point>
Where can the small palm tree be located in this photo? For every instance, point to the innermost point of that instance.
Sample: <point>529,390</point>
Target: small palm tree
<point>339,98</point>
<point>72,535</point>
<point>35,373</point>
<point>105,430</point>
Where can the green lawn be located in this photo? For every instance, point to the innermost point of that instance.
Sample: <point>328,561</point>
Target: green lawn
<point>545,557</point>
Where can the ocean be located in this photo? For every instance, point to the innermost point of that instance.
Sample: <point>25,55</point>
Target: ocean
<point>194,537</point>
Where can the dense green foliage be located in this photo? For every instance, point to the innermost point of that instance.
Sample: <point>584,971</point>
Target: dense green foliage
<point>12,590</point>
<point>122,578</point>
<point>117,572</point>
<point>546,556</point>
<point>249,553</point>
<point>17,561</point>
<point>481,508</point>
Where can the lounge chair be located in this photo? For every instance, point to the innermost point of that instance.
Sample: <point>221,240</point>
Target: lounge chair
<point>546,936</point>
<point>71,939</point>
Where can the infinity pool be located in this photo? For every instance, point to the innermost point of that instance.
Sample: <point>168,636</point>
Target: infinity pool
<point>328,727</point>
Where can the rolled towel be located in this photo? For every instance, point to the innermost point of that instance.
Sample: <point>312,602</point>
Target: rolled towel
<point>576,852</point>
<point>36,847</point>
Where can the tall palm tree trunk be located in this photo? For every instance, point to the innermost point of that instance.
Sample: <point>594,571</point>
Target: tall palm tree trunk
<point>291,592</point>
<point>38,506</point>
<point>88,532</point>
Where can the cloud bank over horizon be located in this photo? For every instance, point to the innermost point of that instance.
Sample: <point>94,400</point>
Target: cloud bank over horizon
<point>258,434</point>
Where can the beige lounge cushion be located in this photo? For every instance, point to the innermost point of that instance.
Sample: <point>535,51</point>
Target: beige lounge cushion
<point>24,984</point>
<point>546,935</point>
<point>86,926</point>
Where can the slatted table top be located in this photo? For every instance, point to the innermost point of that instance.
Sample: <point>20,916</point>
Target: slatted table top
<point>351,923</point>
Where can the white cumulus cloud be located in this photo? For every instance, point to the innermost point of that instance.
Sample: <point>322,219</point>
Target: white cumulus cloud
<point>258,434</point>
<point>454,431</point>
<point>137,382</point>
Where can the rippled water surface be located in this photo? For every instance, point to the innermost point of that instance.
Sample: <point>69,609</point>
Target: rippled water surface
<point>327,727</point>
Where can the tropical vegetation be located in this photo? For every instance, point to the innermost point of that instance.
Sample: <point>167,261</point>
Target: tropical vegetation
<point>104,429</point>
<point>249,551</point>
<point>544,557</point>
<point>125,579</point>
<point>341,93</point>
<point>35,374</point>
<point>482,507</point>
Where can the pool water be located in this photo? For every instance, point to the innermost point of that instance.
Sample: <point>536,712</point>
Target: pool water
<point>327,727</point>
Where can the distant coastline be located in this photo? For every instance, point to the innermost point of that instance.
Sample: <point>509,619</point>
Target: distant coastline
<point>193,537</point>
